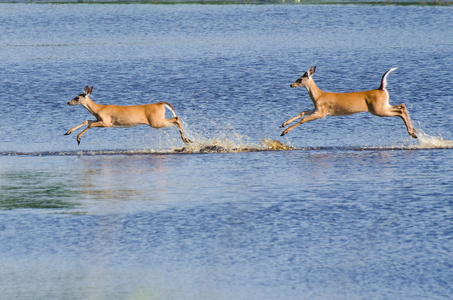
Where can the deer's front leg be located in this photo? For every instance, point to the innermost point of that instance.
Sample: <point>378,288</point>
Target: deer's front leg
<point>90,125</point>
<point>77,127</point>
<point>306,112</point>
<point>314,116</point>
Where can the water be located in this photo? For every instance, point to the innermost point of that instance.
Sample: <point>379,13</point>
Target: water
<point>340,208</point>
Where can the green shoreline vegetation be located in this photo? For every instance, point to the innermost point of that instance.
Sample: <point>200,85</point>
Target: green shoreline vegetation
<point>219,2</point>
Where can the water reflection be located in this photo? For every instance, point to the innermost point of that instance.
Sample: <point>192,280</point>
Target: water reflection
<point>113,182</point>
<point>25,188</point>
<point>87,183</point>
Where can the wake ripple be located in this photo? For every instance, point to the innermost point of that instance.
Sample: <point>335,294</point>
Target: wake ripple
<point>425,141</point>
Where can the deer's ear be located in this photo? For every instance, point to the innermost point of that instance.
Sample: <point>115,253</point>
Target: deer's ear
<point>91,89</point>
<point>87,90</point>
<point>311,71</point>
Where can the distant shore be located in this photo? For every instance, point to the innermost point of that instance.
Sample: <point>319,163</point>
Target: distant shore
<point>361,2</point>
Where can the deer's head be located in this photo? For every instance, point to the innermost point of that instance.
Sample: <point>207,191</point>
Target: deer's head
<point>81,99</point>
<point>304,79</point>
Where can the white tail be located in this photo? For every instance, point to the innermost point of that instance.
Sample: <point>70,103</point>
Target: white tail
<point>125,116</point>
<point>342,104</point>
<point>170,108</point>
<point>384,79</point>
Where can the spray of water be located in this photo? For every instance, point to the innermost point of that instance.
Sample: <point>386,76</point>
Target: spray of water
<point>427,141</point>
<point>423,141</point>
<point>228,140</point>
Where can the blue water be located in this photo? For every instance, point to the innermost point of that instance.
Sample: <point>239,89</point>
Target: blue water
<point>357,210</point>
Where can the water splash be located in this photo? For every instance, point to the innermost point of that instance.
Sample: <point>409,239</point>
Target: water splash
<point>427,141</point>
<point>228,140</point>
<point>225,140</point>
<point>424,141</point>
<point>226,145</point>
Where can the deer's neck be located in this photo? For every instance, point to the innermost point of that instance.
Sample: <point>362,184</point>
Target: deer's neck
<point>314,91</point>
<point>92,106</point>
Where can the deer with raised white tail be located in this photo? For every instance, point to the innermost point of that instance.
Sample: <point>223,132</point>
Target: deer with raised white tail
<point>125,116</point>
<point>342,104</point>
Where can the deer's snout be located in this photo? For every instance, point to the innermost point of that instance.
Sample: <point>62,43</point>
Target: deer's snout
<point>72,102</point>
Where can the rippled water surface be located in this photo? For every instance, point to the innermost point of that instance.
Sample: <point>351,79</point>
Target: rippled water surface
<point>340,208</point>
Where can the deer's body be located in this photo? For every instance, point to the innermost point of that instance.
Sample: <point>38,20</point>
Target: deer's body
<point>124,116</point>
<point>342,104</point>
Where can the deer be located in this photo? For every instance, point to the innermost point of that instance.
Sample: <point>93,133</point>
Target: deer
<point>125,116</point>
<point>343,104</point>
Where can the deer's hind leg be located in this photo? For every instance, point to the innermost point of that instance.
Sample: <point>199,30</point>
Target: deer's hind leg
<point>402,112</point>
<point>398,111</point>
<point>175,121</point>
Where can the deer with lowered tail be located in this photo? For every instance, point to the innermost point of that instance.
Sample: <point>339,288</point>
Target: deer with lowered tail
<point>125,116</point>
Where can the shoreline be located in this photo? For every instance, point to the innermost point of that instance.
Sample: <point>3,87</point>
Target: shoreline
<point>241,2</point>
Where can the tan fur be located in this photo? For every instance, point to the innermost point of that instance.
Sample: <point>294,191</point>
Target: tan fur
<point>124,116</point>
<point>342,104</point>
